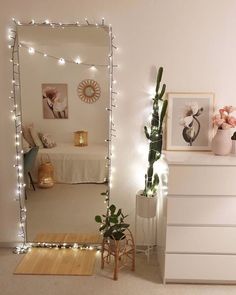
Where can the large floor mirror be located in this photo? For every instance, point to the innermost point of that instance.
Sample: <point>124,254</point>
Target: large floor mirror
<point>65,90</point>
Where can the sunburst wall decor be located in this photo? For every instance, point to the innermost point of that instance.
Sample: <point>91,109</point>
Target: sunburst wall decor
<point>89,91</point>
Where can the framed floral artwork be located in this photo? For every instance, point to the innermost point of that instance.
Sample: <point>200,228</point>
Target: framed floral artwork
<point>189,121</point>
<point>55,101</point>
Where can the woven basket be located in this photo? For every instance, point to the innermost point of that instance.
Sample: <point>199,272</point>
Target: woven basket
<point>45,174</point>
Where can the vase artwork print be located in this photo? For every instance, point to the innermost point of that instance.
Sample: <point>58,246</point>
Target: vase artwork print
<point>189,121</point>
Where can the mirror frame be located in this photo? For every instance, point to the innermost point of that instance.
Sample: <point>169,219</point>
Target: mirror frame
<point>15,97</point>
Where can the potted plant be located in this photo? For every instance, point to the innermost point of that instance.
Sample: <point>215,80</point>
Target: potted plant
<point>112,225</point>
<point>146,199</point>
<point>224,121</point>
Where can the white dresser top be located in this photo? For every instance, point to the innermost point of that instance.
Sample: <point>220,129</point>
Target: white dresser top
<point>198,159</point>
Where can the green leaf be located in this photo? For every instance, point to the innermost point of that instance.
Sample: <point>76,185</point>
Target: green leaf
<point>102,227</point>
<point>113,219</point>
<point>119,212</point>
<point>104,194</point>
<point>112,208</point>
<point>98,219</point>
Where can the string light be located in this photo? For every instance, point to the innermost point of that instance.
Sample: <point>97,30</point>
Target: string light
<point>93,68</point>
<point>15,95</point>
<point>77,61</point>
<point>61,61</point>
<point>31,50</point>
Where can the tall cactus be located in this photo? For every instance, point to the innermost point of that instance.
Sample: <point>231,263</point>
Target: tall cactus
<point>154,135</point>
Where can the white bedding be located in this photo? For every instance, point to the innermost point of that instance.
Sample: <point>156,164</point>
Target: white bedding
<point>73,164</point>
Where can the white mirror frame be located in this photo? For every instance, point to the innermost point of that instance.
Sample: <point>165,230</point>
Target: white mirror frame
<point>15,97</point>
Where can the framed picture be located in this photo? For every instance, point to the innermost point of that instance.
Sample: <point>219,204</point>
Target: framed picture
<point>189,121</point>
<point>55,101</point>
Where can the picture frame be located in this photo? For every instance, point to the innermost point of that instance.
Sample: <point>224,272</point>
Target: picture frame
<point>55,100</point>
<point>189,121</point>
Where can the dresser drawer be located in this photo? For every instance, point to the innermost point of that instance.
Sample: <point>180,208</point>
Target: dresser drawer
<point>201,180</point>
<point>218,240</point>
<point>201,210</point>
<point>200,268</point>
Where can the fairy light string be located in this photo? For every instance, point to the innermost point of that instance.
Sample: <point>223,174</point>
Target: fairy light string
<point>15,97</point>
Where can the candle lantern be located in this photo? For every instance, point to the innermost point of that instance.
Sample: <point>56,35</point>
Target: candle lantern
<point>81,138</point>
<point>45,175</point>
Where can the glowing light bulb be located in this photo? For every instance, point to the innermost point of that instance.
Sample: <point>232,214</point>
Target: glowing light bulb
<point>31,50</point>
<point>78,60</point>
<point>47,22</point>
<point>45,55</point>
<point>93,68</point>
<point>61,61</point>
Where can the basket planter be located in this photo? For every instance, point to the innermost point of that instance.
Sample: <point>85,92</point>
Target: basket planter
<point>117,245</point>
<point>146,207</point>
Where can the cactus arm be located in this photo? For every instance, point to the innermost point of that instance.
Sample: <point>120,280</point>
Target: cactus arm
<point>163,113</point>
<point>162,91</point>
<point>159,76</point>
<point>146,132</point>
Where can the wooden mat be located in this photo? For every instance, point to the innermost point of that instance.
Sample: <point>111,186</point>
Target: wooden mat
<point>57,262</point>
<point>68,238</point>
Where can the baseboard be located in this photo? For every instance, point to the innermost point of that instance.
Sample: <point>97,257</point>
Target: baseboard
<point>10,244</point>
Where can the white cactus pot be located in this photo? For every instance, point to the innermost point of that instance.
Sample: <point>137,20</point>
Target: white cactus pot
<point>146,207</point>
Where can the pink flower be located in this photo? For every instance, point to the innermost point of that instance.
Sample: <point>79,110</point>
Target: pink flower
<point>232,121</point>
<point>226,126</point>
<point>223,120</point>
<point>217,120</point>
<point>229,109</point>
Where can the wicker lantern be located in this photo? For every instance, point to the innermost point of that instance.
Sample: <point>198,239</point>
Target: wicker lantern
<point>81,138</point>
<point>45,175</point>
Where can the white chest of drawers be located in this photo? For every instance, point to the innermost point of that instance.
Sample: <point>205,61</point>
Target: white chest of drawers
<point>198,219</point>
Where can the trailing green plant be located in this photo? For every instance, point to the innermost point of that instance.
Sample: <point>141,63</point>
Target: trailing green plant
<point>154,135</point>
<point>112,223</point>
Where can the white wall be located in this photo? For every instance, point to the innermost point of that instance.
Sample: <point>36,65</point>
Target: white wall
<point>37,70</point>
<point>194,41</point>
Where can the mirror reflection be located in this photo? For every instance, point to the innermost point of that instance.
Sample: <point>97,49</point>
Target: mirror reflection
<point>64,96</point>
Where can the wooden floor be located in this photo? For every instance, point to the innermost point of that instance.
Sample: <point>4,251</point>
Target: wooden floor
<point>40,261</point>
<point>68,238</point>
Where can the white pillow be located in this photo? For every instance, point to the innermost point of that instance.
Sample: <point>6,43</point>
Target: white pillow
<point>27,135</point>
<point>47,140</point>
<point>25,145</point>
<point>35,136</point>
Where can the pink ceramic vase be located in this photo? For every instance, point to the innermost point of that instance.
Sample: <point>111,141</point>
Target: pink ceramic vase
<point>222,143</point>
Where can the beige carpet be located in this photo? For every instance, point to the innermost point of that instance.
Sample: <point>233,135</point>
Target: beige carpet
<point>145,280</point>
<point>57,262</point>
<point>68,238</point>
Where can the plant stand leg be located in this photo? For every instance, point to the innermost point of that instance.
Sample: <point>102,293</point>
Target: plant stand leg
<point>133,260</point>
<point>115,277</point>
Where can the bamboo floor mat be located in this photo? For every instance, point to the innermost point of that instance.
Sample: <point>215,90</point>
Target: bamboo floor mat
<point>41,261</point>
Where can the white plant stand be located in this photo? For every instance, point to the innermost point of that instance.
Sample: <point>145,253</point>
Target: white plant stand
<point>146,218</point>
